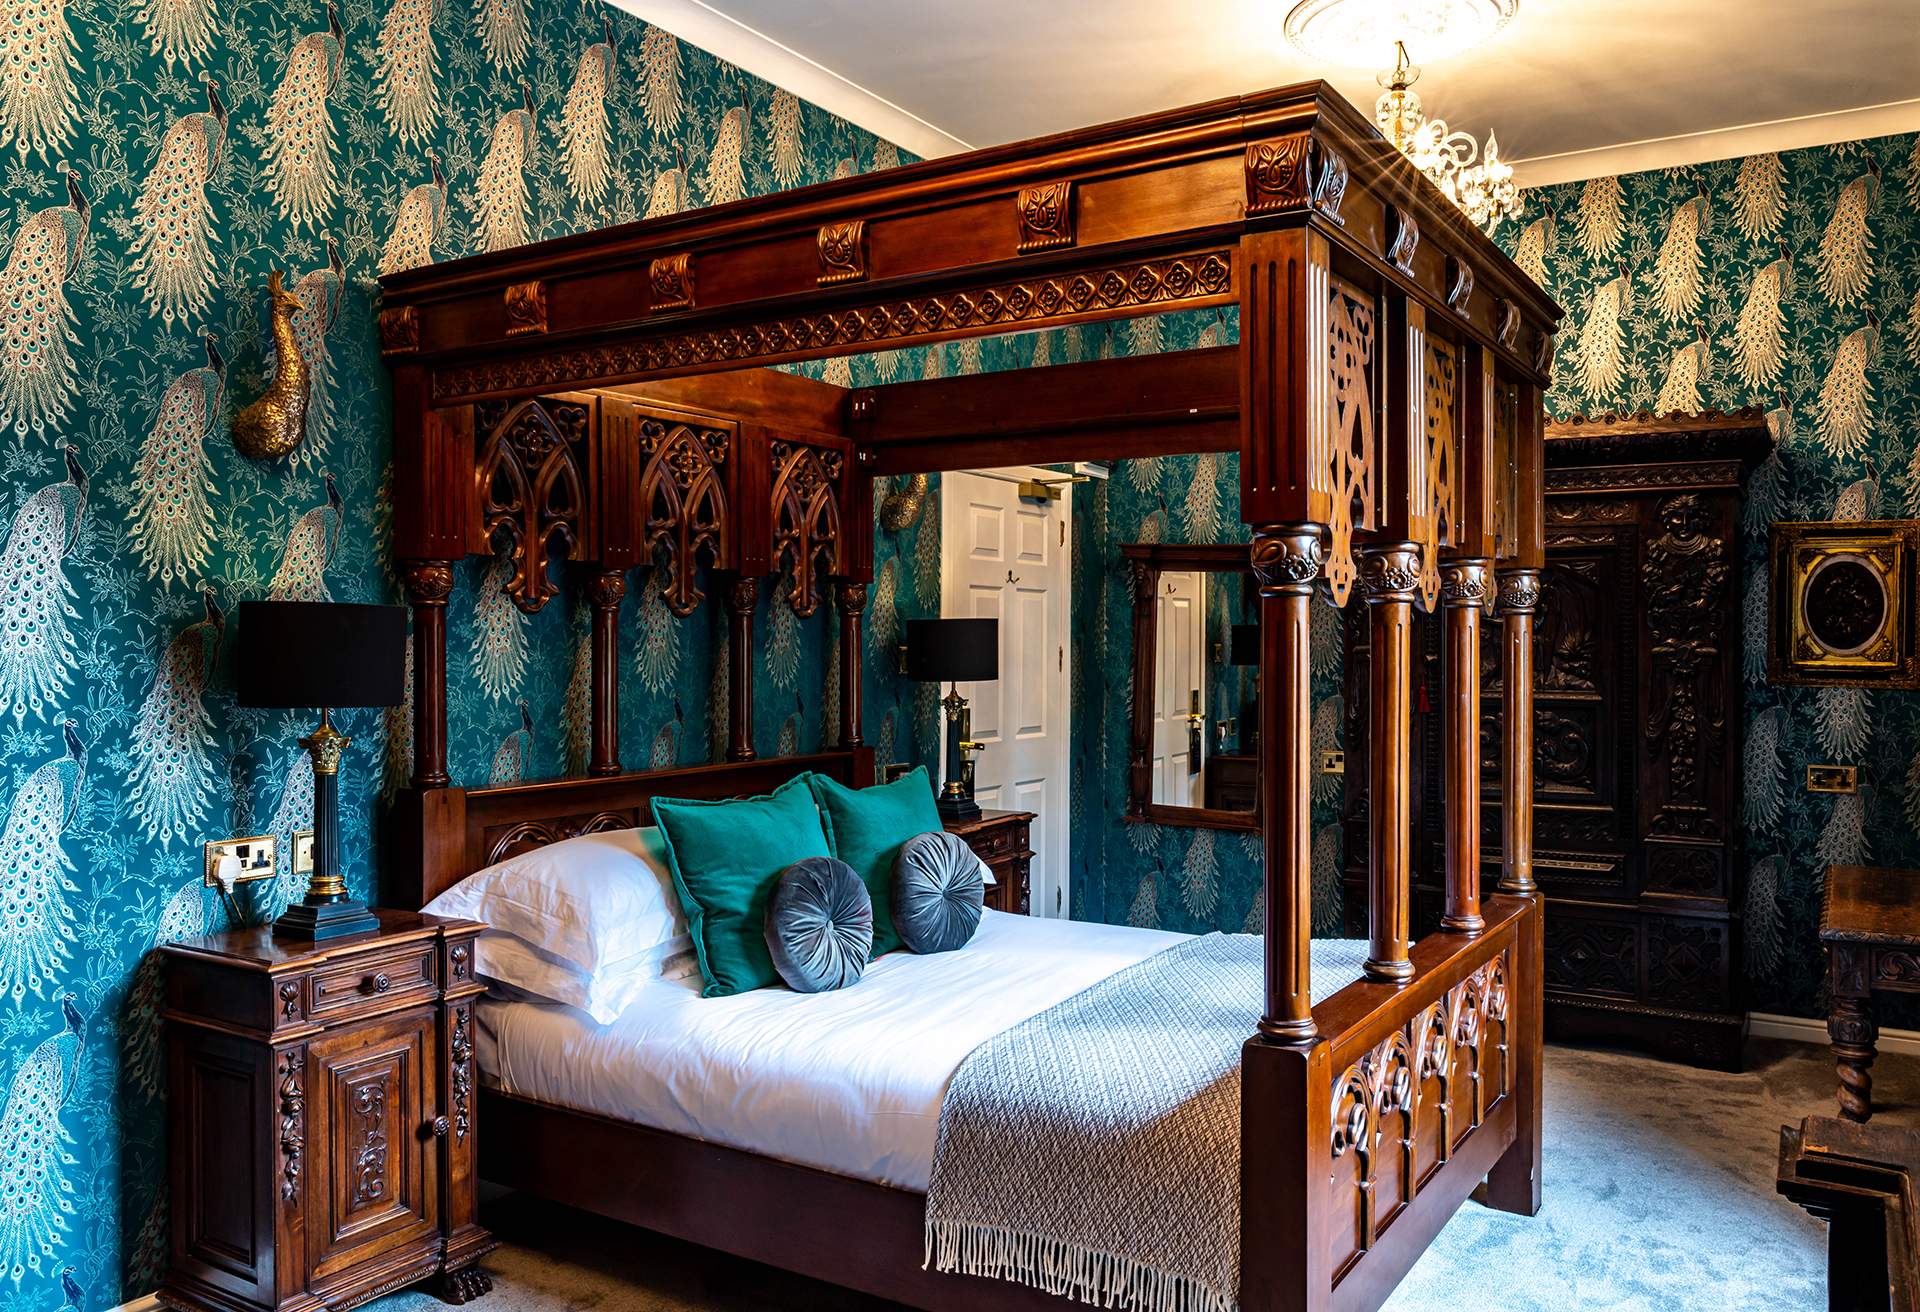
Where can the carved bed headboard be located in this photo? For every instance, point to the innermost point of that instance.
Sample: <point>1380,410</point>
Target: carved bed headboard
<point>459,831</point>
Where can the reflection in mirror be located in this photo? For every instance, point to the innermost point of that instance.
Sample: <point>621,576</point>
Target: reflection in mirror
<point>1196,708</point>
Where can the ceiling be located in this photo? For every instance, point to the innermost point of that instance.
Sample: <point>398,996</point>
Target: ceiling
<point>1577,87</point>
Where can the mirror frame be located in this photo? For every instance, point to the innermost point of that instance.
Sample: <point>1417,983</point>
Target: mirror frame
<point>1147,560</point>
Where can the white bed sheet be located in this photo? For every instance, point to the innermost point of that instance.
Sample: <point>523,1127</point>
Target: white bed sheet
<point>848,1081</point>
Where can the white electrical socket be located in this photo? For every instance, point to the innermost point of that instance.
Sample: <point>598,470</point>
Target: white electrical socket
<point>303,851</point>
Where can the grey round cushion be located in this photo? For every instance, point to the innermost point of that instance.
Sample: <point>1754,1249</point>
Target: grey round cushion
<point>820,925</point>
<point>937,892</point>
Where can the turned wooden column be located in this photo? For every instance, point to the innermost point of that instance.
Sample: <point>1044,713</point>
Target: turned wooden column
<point>1466,586</point>
<point>1851,1027</point>
<point>742,595</point>
<point>1286,561</point>
<point>1389,576</point>
<point>428,584</point>
<point>851,598</point>
<point>604,593</point>
<point>1519,595</point>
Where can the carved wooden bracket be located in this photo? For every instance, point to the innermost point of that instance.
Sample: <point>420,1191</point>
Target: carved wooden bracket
<point>683,488</point>
<point>671,278</point>
<point>1329,182</point>
<point>1543,352</point>
<point>806,518</point>
<point>1405,239</point>
<point>1046,216</point>
<point>1509,324</point>
<point>843,252</point>
<point>399,330</point>
<point>533,489</point>
<point>526,304</point>
<point>1277,174</point>
<point>1459,284</point>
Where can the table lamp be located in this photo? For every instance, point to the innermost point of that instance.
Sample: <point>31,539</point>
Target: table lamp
<point>955,652</point>
<point>322,655</point>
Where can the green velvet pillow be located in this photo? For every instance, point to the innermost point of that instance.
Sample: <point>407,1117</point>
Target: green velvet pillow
<point>726,858</point>
<point>866,827</point>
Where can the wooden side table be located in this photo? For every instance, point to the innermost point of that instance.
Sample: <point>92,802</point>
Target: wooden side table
<point>1003,840</point>
<point>321,1117</point>
<point>1870,924</point>
<point>1860,1180</point>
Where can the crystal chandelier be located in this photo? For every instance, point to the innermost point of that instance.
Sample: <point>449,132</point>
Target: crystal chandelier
<point>1484,190</point>
<point>1354,31</point>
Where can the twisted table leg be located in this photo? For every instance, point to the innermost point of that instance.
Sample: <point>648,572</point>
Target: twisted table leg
<point>1850,1026</point>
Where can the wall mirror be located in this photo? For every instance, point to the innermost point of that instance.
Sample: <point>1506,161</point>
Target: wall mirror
<point>1196,642</point>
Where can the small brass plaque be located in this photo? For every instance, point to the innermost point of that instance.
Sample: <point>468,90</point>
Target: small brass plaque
<point>1833,778</point>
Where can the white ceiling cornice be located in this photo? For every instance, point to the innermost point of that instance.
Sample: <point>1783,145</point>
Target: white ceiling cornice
<point>1721,143</point>
<point>730,39</point>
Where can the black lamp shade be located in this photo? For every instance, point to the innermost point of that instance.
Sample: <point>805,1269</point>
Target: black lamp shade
<point>1245,648</point>
<point>321,654</point>
<point>953,651</point>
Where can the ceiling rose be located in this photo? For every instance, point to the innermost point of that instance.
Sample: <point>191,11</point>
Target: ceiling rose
<point>1364,31</point>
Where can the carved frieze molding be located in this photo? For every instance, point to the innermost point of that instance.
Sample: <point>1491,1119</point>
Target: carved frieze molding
<point>533,490</point>
<point>683,488</point>
<point>1170,280</point>
<point>1636,478</point>
<point>843,252</point>
<point>400,330</point>
<point>526,305</point>
<point>671,279</point>
<point>1046,216</point>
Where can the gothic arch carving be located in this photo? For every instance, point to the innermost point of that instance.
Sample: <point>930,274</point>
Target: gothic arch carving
<point>532,489</point>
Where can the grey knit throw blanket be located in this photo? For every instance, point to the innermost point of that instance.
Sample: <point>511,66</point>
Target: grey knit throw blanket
<point>1094,1150</point>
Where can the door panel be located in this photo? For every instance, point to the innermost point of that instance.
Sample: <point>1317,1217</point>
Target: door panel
<point>1005,557</point>
<point>374,1103</point>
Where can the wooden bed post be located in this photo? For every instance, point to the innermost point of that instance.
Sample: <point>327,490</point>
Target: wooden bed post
<point>429,583</point>
<point>1519,596</point>
<point>1466,593</point>
<point>742,594</point>
<point>1389,575</point>
<point>1465,587</point>
<point>604,593</point>
<point>851,597</point>
<point>1286,560</point>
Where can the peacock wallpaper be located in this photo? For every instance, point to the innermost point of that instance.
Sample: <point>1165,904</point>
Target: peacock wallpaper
<point>162,156</point>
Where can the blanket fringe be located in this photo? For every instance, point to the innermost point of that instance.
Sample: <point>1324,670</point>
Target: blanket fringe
<point>1061,1268</point>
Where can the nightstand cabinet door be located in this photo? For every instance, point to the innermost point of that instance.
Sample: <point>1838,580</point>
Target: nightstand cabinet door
<point>225,1157</point>
<point>374,1106</point>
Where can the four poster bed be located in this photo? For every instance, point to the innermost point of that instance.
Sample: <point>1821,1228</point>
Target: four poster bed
<point>605,398</point>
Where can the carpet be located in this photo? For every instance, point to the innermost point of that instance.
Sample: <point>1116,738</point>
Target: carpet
<point>1657,1194</point>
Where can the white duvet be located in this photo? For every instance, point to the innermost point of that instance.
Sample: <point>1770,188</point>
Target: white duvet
<point>848,1081</point>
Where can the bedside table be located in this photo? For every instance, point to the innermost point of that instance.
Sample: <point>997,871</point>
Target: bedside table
<point>1001,839</point>
<point>320,1117</point>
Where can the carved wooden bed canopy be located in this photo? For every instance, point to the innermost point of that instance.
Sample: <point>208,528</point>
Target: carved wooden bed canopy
<point>604,398</point>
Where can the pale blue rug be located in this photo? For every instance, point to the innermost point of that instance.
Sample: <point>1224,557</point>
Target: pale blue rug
<point>1658,1195</point>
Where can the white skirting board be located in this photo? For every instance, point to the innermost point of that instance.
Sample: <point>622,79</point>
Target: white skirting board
<point>1800,1029</point>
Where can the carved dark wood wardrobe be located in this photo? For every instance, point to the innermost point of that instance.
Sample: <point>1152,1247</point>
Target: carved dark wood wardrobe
<point>1637,789</point>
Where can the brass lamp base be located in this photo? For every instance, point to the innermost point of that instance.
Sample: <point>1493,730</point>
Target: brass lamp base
<point>327,911</point>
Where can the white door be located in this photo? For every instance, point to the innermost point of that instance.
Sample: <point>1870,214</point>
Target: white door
<point>1006,557</point>
<point>1179,629</point>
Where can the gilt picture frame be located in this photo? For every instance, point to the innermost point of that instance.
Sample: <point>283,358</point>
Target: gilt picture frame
<point>1841,603</point>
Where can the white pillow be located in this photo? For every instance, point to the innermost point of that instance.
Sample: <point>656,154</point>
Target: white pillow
<point>599,904</point>
<point>519,970</point>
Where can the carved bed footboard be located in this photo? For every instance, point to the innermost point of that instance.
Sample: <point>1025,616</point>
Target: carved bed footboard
<point>1413,1096</point>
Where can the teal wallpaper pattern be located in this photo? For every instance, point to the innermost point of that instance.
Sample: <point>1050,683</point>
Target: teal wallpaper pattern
<point>1788,281</point>
<point>161,157</point>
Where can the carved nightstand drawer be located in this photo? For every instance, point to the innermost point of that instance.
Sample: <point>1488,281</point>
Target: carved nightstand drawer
<point>375,980</point>
<point>1001,839</point>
